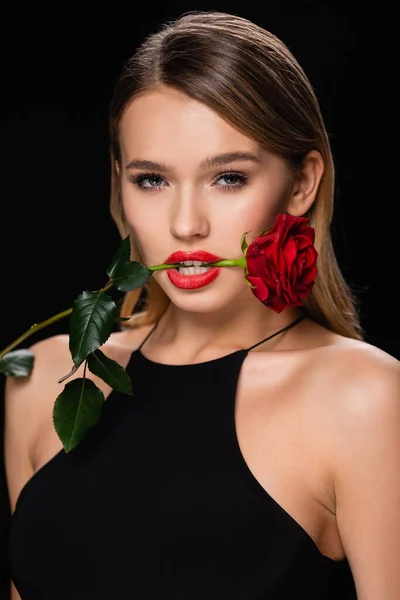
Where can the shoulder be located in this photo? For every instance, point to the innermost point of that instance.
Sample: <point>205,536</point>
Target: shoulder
<point>350,365</point>
<point>29,401</point>
<point>331,364</point>
<point>359,370</point>
<point>365,382</point>
<point>53,360</point>
<point>351,377</point>
<point>53,352</point>
<point>351,389</point>
<point>362,386</point>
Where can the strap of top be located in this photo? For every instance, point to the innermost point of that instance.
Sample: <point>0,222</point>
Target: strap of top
<point>148,335</point>
<point>292,324</point>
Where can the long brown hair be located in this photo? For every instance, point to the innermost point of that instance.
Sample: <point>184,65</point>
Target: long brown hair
<point>251,79</point>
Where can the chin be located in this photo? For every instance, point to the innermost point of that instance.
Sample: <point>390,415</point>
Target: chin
<point>214,297</point>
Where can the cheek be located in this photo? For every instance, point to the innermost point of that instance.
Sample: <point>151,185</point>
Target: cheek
<point>265,202</point>
<point>147,228</point>
<point>254,218</point>
<point>138,210</point>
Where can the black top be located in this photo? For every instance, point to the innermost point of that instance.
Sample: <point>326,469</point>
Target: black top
<point>157,502</point>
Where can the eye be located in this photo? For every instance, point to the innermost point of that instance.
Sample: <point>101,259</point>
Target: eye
<point>233,180</point>
<point>227,181</point>
<point>147,182</point>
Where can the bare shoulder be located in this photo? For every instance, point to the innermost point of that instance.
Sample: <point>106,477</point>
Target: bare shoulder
<point>52,357</point>
<point>28,396</point>
<point>365,381</point>
<point>363,384</point>
<point>360,369</point>
<point>356,394</point>
<point>349,375</point>
<point>345,359</point>
<point>344,382</point>
<point>29,436</point>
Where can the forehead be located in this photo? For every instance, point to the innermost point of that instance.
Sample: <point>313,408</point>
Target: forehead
<point>166,122</point>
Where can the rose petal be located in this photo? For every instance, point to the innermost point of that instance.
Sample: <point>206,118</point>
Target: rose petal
<point>303,241</point>
<point>261,292</point>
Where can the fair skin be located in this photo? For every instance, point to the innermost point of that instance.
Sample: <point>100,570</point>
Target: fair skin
<point>317,415</point>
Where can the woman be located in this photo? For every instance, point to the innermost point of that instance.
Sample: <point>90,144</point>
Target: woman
<point>259,457</point>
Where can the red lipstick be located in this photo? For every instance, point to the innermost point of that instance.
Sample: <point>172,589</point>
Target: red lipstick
<point>180,256</point>
<point>190,282</point>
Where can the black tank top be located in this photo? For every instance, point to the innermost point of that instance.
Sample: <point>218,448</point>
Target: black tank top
<point>157,502</point>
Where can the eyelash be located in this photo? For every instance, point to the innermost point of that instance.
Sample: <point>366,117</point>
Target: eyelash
<point>240,175</point>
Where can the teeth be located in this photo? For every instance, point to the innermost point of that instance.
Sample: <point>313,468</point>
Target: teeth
<point>193,270</point>
<point>193,267</point>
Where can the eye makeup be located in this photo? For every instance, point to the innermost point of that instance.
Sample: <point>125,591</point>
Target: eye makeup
<point>152,182</point>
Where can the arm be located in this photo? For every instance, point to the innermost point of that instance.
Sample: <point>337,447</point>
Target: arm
<point>367,476</point>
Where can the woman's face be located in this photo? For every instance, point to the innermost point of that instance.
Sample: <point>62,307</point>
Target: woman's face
<point>208,185</point>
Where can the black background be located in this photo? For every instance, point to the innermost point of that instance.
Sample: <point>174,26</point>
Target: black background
<point>58,67</point>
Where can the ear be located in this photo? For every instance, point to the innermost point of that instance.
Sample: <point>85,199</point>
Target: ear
<point>306,184</point>
<point>116,165</point>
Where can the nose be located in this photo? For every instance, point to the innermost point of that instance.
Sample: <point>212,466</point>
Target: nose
<point>188,216</point>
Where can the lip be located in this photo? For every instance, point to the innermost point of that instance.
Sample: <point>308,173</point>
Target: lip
<point>179,257</point>
<point>192,282</point>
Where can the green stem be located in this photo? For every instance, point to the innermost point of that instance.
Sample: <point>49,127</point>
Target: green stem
<point>37,326</point>
<point>33,329</point>
<point>239,262</point>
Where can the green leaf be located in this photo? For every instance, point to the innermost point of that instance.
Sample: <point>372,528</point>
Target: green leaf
<point>110,371</point>
<point>130,276</point>
<point>91,323</point>
<point>17,363</point>
<point>243,244</point>
<point>77,410</point>
<point>122,255</point>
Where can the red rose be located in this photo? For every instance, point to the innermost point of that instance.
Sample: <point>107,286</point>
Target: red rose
<point>282,263</point>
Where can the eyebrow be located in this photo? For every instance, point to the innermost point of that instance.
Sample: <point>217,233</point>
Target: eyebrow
<point>209,162</point>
